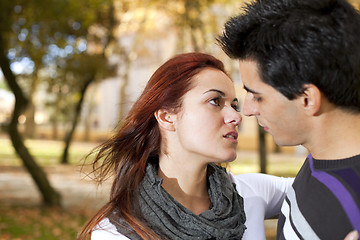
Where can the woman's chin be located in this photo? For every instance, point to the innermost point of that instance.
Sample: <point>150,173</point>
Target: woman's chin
<point>228,159</point>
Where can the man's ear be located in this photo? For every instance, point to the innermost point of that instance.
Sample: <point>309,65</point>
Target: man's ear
<point>311,99</point>
<point>165,119</point>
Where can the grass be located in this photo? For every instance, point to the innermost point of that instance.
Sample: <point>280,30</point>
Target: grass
<point>23,223</point>
<point>26,222</point>
<point>45,152</point>
<point>30,223</point>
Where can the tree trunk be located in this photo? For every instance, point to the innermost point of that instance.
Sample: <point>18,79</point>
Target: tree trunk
<point>30,125</point>
<point>89,122</point>
<point>55,117</point>
<point>276,148</point>
<point>124,84</point>
<point>262,150</point>
<point>49,195</point>
<point>70,134</point>
<point>54,123</point>
<point>30,120</point>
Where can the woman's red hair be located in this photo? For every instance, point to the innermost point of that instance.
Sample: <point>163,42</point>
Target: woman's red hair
<point>137,141</point>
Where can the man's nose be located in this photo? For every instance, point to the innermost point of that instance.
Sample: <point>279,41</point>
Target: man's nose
<point>249,107</point>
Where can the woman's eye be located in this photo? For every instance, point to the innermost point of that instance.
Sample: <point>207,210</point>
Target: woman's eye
<point>215,101</point>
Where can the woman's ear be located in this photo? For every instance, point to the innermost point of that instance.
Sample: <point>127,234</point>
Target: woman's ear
<point>311,99</point>
<point>165,119</point>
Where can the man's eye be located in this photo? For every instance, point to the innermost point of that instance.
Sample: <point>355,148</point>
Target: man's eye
<point>236,107</point>
<point>257,99</point>
<point>215,101</point>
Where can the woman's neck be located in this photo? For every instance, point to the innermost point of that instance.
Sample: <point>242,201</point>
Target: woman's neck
<point>185,183</point>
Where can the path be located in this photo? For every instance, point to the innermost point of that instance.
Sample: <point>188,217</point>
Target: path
<point>77,190</point>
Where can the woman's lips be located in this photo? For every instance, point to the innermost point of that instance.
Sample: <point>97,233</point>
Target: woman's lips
<point>232,136</point>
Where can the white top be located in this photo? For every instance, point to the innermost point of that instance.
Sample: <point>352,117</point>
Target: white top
<point>263,196</point>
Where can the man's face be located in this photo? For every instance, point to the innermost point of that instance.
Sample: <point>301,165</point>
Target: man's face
<point>279,116</point>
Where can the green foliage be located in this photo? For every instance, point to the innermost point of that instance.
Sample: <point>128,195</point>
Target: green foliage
<point>50,38</point>
<point>3,85</point>
<point>27,223</point>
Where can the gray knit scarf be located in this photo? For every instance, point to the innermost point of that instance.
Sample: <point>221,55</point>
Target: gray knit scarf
<point>170,220</point>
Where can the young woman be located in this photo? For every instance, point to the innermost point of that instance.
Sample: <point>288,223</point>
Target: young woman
<point>167,184</point>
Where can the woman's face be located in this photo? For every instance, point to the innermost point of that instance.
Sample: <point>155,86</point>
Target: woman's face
<point>206,125</point>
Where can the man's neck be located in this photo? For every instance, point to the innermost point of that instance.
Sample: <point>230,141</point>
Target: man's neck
<point>335,136</point>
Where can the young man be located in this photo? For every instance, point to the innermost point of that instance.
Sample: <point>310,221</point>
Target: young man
<point>300,65</point>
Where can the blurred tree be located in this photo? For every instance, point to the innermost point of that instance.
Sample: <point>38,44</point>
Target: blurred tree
<point>37,35</point>
<point>197,22</point>
<point>131,22</point>
<point>93,68</point>
<point>93,65</point>
<point>8,38</point>
<point>262,149</point>
<point>50,196</point>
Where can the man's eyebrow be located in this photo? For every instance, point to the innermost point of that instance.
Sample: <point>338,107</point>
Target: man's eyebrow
<point>250,90</point>
<point>215,90</point>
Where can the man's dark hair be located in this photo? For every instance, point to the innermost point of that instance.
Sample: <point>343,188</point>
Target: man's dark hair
<point>296,42</point>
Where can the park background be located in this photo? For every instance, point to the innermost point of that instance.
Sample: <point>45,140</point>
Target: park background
<point>70,71</point>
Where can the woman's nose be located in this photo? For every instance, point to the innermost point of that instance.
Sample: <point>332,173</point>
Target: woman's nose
<point>233,117</point>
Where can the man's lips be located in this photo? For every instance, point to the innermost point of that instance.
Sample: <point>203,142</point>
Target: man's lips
<point>265,128</point>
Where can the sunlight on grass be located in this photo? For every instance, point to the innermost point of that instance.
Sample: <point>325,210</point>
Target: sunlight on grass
<point>45,152</point>
<point>48,153</point>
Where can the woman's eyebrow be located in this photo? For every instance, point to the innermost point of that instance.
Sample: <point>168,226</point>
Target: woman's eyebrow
<point>221,93</point>
<point>215,90</point>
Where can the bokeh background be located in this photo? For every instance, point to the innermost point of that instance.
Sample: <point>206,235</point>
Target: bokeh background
<point>69,72</point>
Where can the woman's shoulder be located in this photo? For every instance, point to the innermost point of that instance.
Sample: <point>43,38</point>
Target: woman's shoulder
<point>259,177</point>
<point>263,194</point>
<point>258,182</point>
<point>106,230</point>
